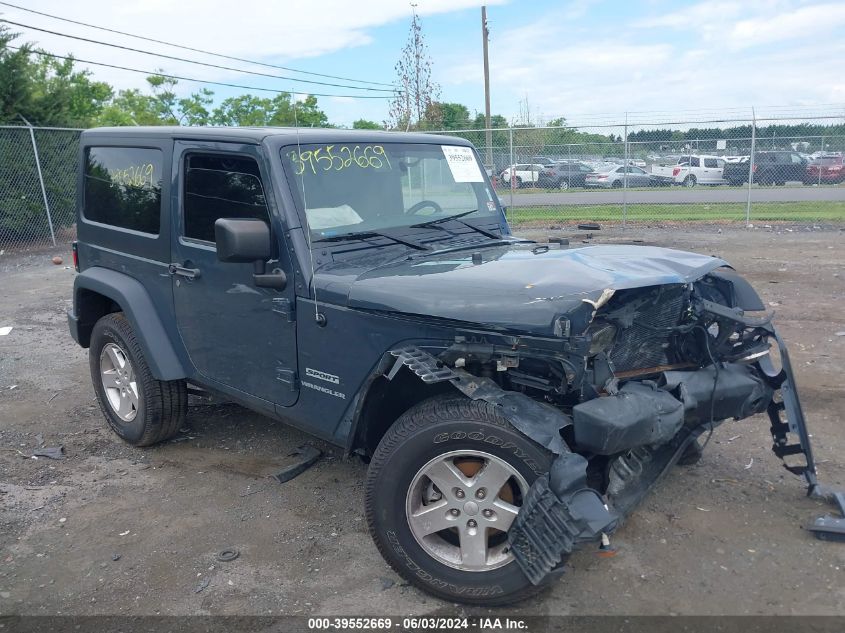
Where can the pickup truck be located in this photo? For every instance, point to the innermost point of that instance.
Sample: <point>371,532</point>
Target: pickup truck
<point>513,400</point>
<point>690,171</point>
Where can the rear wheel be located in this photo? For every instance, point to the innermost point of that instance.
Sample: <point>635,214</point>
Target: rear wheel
<point>139,408</point>
<point>690,181</point>
<point>443,487</point>
<point>617,184</point>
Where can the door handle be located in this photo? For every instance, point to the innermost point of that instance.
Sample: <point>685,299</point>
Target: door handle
<point>190,273</point>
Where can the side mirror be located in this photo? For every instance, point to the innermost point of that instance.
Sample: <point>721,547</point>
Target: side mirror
<point>242,240</point>
<point>248,240</point>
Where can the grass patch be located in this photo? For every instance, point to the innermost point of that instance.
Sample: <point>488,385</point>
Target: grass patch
<point>694,212</point>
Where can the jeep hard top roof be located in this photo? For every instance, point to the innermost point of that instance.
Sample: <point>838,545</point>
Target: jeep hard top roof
<point>285,135</point>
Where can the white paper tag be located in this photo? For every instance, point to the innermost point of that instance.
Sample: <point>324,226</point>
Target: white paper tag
<point>462,163</point>
<point>330,217</point>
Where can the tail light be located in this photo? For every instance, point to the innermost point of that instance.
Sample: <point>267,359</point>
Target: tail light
<point>835,168</point>
<point>75,250</point>
<point>676,171</point>
<point>602,176</point>
<point>754,169</point>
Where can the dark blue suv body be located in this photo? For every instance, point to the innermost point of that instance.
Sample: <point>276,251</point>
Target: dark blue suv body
<point>514,399</point>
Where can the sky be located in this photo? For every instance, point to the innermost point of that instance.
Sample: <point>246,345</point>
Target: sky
<point>586,60</point>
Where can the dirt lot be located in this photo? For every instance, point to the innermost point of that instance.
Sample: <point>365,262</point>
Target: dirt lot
<point>115,530</point>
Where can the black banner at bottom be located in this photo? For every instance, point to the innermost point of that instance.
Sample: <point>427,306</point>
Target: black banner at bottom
<point>490,623</point>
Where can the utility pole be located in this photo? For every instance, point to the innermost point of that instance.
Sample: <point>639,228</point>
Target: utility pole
<point>488,133</point>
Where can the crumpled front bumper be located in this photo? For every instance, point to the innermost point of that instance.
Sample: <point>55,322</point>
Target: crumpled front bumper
<point>560,512</point>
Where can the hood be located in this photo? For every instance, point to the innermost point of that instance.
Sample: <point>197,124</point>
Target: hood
<point>514,287</point>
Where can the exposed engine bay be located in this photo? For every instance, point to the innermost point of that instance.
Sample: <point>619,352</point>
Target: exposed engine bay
<point>631,382</point>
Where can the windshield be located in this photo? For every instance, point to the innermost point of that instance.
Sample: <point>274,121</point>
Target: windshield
<point>355,188</point>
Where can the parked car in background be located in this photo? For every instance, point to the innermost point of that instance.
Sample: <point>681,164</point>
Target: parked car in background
<point>542,160</point>
<point>614,177</point>
<point>563,175</point>
<point>770,168</point>
<point>523,174</point>
<point>828,170</point>
<point>690,171</point>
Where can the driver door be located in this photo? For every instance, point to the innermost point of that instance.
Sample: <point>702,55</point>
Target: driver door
<point>239,337</point>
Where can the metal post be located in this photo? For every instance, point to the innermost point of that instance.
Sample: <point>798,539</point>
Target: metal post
<point>488,133</point>
<point>41,179</point>
<point>569,167</point>
<point>512,181</point>
<point>820,164</point>
<point>625,178</point>
<point>751,166</point>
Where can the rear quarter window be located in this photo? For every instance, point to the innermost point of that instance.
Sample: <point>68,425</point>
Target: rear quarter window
<point>122,187</point>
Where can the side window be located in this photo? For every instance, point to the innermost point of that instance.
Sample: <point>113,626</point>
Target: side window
<point>796,159</point>
<point>711,162</point>
<point>220,186</point>
<point>123,187</point>
<point>694,161</point>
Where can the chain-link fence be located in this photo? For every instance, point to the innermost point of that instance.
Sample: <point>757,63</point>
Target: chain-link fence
<point>724,169</point>
<point>37,186</point>
<point>731,169</point>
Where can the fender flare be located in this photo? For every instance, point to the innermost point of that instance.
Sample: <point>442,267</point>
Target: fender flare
<point>136,303</point>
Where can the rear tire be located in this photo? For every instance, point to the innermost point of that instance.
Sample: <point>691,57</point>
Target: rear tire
<point>690,182</point>
<point>445,436</point>
<point>140,409</point>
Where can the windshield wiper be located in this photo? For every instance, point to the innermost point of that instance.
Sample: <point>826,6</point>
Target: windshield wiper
<point>455,217</point>
<point>343,237</point>
<point>440,220</point>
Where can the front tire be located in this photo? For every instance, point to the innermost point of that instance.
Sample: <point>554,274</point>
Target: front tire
<point>443,486</point>
<point>139,408</point>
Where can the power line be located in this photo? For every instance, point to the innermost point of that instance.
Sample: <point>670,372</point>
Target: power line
<point>200,81</point>
<point>191,61</point>
<point>195,50</point>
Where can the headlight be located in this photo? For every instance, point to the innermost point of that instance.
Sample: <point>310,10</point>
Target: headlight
<point>602,336</point>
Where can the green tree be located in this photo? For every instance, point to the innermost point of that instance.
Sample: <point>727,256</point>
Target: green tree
<point>416,91</point>
<point>195,108</point>
<point>15,88</point>
<point>364,124</point>
<point>450,116</point>
<point>280,110</point>
<point>46,91</point>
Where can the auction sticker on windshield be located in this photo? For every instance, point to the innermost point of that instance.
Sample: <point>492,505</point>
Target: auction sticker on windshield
<point>462,163</point>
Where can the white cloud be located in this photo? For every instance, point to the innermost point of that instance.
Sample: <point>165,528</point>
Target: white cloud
<point>694,58</point>
<point>808,21</point>
<point>278,32</point>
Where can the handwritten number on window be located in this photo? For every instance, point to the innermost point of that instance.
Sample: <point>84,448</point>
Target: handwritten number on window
<point>134,175</point>
<point>331,158</point>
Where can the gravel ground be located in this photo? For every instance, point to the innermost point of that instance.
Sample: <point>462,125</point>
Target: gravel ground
<point>112,529</point>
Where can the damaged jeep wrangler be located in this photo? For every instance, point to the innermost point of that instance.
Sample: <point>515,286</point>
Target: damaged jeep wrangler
<point>514,400</point>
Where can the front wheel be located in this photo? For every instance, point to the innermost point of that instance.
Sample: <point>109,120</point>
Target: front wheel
<point>443,487</point>
<point>563,185</point>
